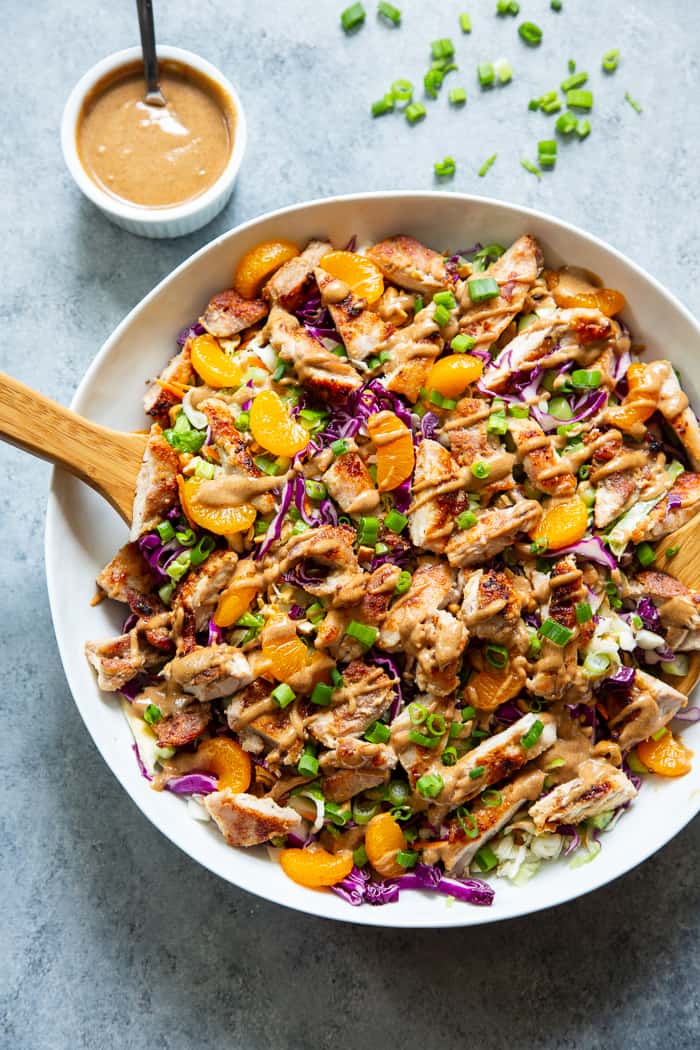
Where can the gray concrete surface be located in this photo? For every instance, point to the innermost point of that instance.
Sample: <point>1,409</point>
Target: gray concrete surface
<point>109,936</point>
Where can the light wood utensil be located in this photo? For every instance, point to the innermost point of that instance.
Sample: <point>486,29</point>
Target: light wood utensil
<point>685,566</point>
<point>105,459</point>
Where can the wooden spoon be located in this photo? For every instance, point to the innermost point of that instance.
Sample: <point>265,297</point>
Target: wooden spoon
<point>685,566</point>
<point>106,459</point>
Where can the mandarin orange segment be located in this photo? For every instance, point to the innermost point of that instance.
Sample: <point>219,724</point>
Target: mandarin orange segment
<point>608,300</point>
<point>362,276</point>
<point>222,521</point>
<point>383,840</point>
<point>667,757</point>
<point>451,375</point>
<point>227,760</point>
<point>490,688</point>
<point>257,265</point>
<point>232,604</point>
<point>562,525</point>
<point>315,867</point>
<point>273,427</point>
<point>395,454</point>
<point>284,651</point>
<point>210,362</point>
<point>639,404</point>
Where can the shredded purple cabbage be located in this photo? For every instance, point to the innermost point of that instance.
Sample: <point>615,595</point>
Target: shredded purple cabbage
<point>570,830</point>
<point>357,888</point>
<point>352,887</point>
<point>159,555</point>
<point>508,713</point>
<point>275,526</point>
<point>388,665</point>
<point>691,714</point>
<point>215,636</point>
<point>649,615</point>
<point>428,425</point>
<point>189,332</point>
<point>584,408</point>
<point>141,765</point>
<point>193,784</point>
<point>591,549</point>
<point>297,612</point>
<point>131,689</point>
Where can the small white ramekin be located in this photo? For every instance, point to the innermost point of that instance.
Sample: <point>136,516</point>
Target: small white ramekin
<point>145,221</point>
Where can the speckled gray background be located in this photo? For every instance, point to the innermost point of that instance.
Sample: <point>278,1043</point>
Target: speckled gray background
<point>110,937</point>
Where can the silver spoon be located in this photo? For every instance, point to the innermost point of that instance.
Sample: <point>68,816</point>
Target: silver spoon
<point>154,96</point>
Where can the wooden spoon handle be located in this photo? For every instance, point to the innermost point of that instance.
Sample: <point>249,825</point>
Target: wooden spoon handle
<point>104,458</point>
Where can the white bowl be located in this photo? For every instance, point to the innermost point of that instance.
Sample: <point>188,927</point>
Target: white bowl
<point>173,221</point>
<point>82,532</point>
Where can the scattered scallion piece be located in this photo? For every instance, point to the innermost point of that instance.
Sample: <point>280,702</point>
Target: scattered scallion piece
<point>481,470</point>
<point>611,60</point>
<point>503,69</point>
<point>352,17</point>
<point>466,519</point>
<point>583,129</point>
<point>407,858</point>
<point>576,80</point>
<point>486,74</point>
<point>547,153</point>
<point>432,82</point>
<point>497,656</point>
<point>556,632</point>
<point>404,582</point>
<point>491,797</point>
<point>339,447</point>
<point>368,531</point>
<point>533,734</point>
<point>532,168</point>
<point>633,102</point>
<point>446,168</point>
<point>422,739</point>
<point>457,96</point>
<point>645,554</point>
<point>395,521</point>
<point>482,289</point>
<point>476,772</point>
<point>316,490</point>
<point>519,411</point>
<point>465,22</point>
<point>414,112</point>
<point>382,106</point>
<point>530,33</point>
<point>388,11</point>
<point>586,379</point>
<point>152,714</point>
<point>486,165</point>
<point>485,858</point>
<point>364,634</point>
<point>430,785</point>
<point>507,7</point>
<point>443,48</point>
<point>322,694</point>
<point>579,99</point>
<point>566,123</point>
<point>571,65</point>
<point>378,733</point>
<point>308,763</point>
<point>671,552</point>
<point>497,423</point>
<point>584,612</point>
<point>461,343</point>
<point>165,530</point>
<point>283,695</point>
<point>446,299</point>
<point>556,5</point>
<point>402,90</point>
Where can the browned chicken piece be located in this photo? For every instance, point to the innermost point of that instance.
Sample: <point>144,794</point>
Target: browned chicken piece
<point>684,422</point>
<point>245,820</point>
<point>125,573</point>
<point>118,660</point>
<point>414,759</point>
<point>395,306</point>
<point>261,725</point>
<point>411,352</point>
<point>556,675</point>
<point>459,850</point>
<point>499,757</point>
<point>350,484</point>
<point>408,263</point>
<point>365,694</point>
<point>651,704</point>
<point>598,787</point>
<point>326,557</point>
<point>160,397</point>
<point>329,377</point>
<point>235,457</point>
<point>550,341</point>
<point>515,272</point>
<point>438,497</point>
<point>678,605</point>
<point>294,279</point>
<point>622,475</point>
<point>344,784</point>
<point>183,727</point>
<point>668,515</point>
<point>470,440</point>
<point>362,330</point>
<point>196,598</point>
<point>228,313</point>
<point>491,606</point>
<point>351,753</point>
<point>380,587</point>
<point>209,672</point>
<point>438,643</point>
<point>432,586</point>
<point>495,530</point>
<point>540,461</point>
<point>156,484</point>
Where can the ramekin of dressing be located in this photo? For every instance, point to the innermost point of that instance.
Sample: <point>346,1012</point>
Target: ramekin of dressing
<point>155,171</point>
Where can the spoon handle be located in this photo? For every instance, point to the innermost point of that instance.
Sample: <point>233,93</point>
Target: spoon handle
<point>148,46</point>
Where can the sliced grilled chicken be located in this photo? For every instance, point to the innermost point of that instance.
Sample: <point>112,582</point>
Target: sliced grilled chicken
<point>245,820</point>
<point>598,787</point>
<point>684,422</point>
<point>362,330</point>
<point>678,605</point>
<point>343,784</point>
<point>167,390</point>
<point>411,265</point>
<point>365,694</point>
<point>431,587</point>
<point>329,377</point>
<point>228,313</point>
<point>210,672</point>
<point>411,352</point>
<point>196,598</point>
<point>680,504</point>
<point>326,559</point>
<point>514,272</point>
<point>545,469</point>
<point>350,484</point>
<point>126,573</point>
<point>650,706</point>
<point>233,451</point>
<point>294,279</point>
<point>491,606</point>
<point>494,531</point>
<point>156,484</point>
<point>438,497</point>
<point>438,644</point>
<point>380,588</point>
<point>183,727</point>
<point>351,753</point>
<point>118,660</point>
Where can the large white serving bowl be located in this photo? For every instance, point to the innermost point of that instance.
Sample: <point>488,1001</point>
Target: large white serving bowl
<point>82,532</point>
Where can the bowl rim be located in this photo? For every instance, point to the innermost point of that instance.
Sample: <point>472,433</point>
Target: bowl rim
<point>312,902</point>
<point>144,214</point>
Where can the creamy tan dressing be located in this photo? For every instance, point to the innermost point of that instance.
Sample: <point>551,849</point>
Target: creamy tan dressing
<point>156,156</point>
<point>232,490</point>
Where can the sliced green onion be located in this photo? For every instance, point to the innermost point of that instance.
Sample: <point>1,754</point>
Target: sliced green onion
<point>446,168</point>
<point>530,33</point>
<point>202,549</point>
<point>435,724</point>
<point>584,613</point>
<point>445,299</point>
<point>504,70</point>
<point>417,713</point>
<point>586,379</point>
<point>152,714</point>
<point>486,74</point>
<point>556,5</point>
<point>486,165</point>
<point>481,470</point>
<point>407,858</point>
<point>397,792</point>
<point>322,694</point>
<point>308,763</point>
<point>461,343</point>
<point>576,80</point>
<point>389,12</point>
<point>443,48</point>
<point>316,490</point>
<point>645,554</point>
<point>547,147</point>
<point>678,667</point>
<point>404,582</point>
<point>583,129</point>
<point>491,797</point>
<point>422,739</point>
<point>441,316</point>
<point>338,816</point>
<point>268,465</point>
<point>465,23</point>
<point>414,112</point>
<point>430,785</point>
<point>179,566</point>
<point>497,423</point>
<point>481,289</point>
<point>336,677</point>
<point>402,90</point>
<point>476,772</point>
<point>533,104</point>
<point>556,632</point>
<point>671,552</point>
<point>449,756</point>
<point>417,303</point>
<point>519,411</point>
<point>485,858</point>
<point>432,82</point>
<point>507,7</point>
<point>165,531</point>
<point>633,102</point>
<point>250,620</point>
<point>339,447</point>
<point>659,734</point>
<point>560,408</point>
<point>566,123</point>
<point>395,521</point>
<point>571,65</point>
<point>377,733</point>
<point>457,96</point>
<point>467,822</point>
<point>596,664</point>
<point>364,809</point>
<point>466,519</point>
<point>579,99</point>
<point>315,612</point>
<point>352,17</point>
<point>533,734</point>
<point>538,547</point>
<point>364,634</point>
<point>165,592</point>
<point>497,656</point>
<point>611,60</point>
<point>283,695</point>
<point>532,168</point>
<point>368,531</point>
<point>468,713</point>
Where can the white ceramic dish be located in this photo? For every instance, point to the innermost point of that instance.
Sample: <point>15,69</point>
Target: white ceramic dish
<point>180,219</point>
<point>82,532</point>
